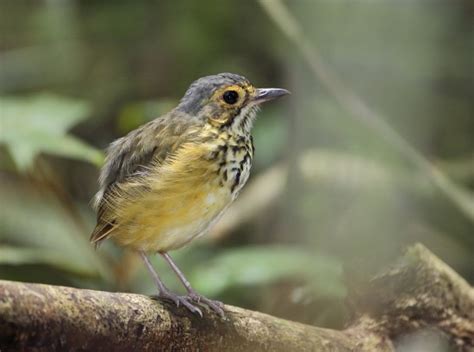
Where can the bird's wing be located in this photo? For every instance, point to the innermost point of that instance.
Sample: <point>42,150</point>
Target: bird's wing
<point>131,157</point>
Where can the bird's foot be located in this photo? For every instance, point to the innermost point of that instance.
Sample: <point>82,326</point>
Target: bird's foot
<point>183,300</point>
<point>216,306</point>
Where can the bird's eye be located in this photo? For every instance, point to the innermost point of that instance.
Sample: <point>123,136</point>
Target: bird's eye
<point>231,97</point>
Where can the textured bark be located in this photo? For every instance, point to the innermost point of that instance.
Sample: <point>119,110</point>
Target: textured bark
<point>420,292</point>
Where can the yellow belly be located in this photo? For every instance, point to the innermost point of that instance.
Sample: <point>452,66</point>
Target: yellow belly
<point>162,224</point>
<point>181,202</point>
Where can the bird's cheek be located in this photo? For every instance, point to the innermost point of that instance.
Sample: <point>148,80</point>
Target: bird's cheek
<point>220,118</point>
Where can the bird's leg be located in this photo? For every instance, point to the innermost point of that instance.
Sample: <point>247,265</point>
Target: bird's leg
<point>192,294</point>
<point>164,292</point>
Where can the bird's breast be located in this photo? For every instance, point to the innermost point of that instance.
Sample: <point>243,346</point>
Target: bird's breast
<point>186,195</point>
<point>233,157</point>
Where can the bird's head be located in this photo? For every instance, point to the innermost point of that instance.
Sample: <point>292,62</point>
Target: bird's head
<point>226,100</point>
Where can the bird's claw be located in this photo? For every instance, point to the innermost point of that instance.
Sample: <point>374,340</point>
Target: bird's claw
<point>184,300</point>
<point>195,297</point>
<point>216,306</point>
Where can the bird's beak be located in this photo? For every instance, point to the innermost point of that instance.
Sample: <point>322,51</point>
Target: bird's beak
<point>266,94</point>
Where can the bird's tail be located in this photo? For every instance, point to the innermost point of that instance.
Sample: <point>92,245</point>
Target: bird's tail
<point>101,232</point>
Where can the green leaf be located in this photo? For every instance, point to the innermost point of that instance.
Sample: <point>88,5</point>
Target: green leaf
<point>265,264</point>
<point>39,123</point>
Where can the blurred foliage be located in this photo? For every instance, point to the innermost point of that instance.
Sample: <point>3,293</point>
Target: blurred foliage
<point>250,266</point>
<point>76,75</point>
<point>59,243</point>
<point>39,124</point>
<point>136,114</point>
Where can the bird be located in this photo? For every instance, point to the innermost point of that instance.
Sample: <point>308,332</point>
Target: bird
<point>168,181</point>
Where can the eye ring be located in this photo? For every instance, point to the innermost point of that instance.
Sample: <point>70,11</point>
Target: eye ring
<point>230,97</point>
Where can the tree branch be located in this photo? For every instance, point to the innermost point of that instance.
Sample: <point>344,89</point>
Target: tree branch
<point>419,292</point>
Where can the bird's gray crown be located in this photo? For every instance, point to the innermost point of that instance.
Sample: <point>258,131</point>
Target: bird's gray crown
<point>202,89</point>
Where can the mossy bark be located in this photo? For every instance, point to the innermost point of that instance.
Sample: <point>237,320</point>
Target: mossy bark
<point>419,292</point>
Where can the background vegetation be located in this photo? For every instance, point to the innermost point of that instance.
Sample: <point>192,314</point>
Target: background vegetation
<point>373,151</point>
